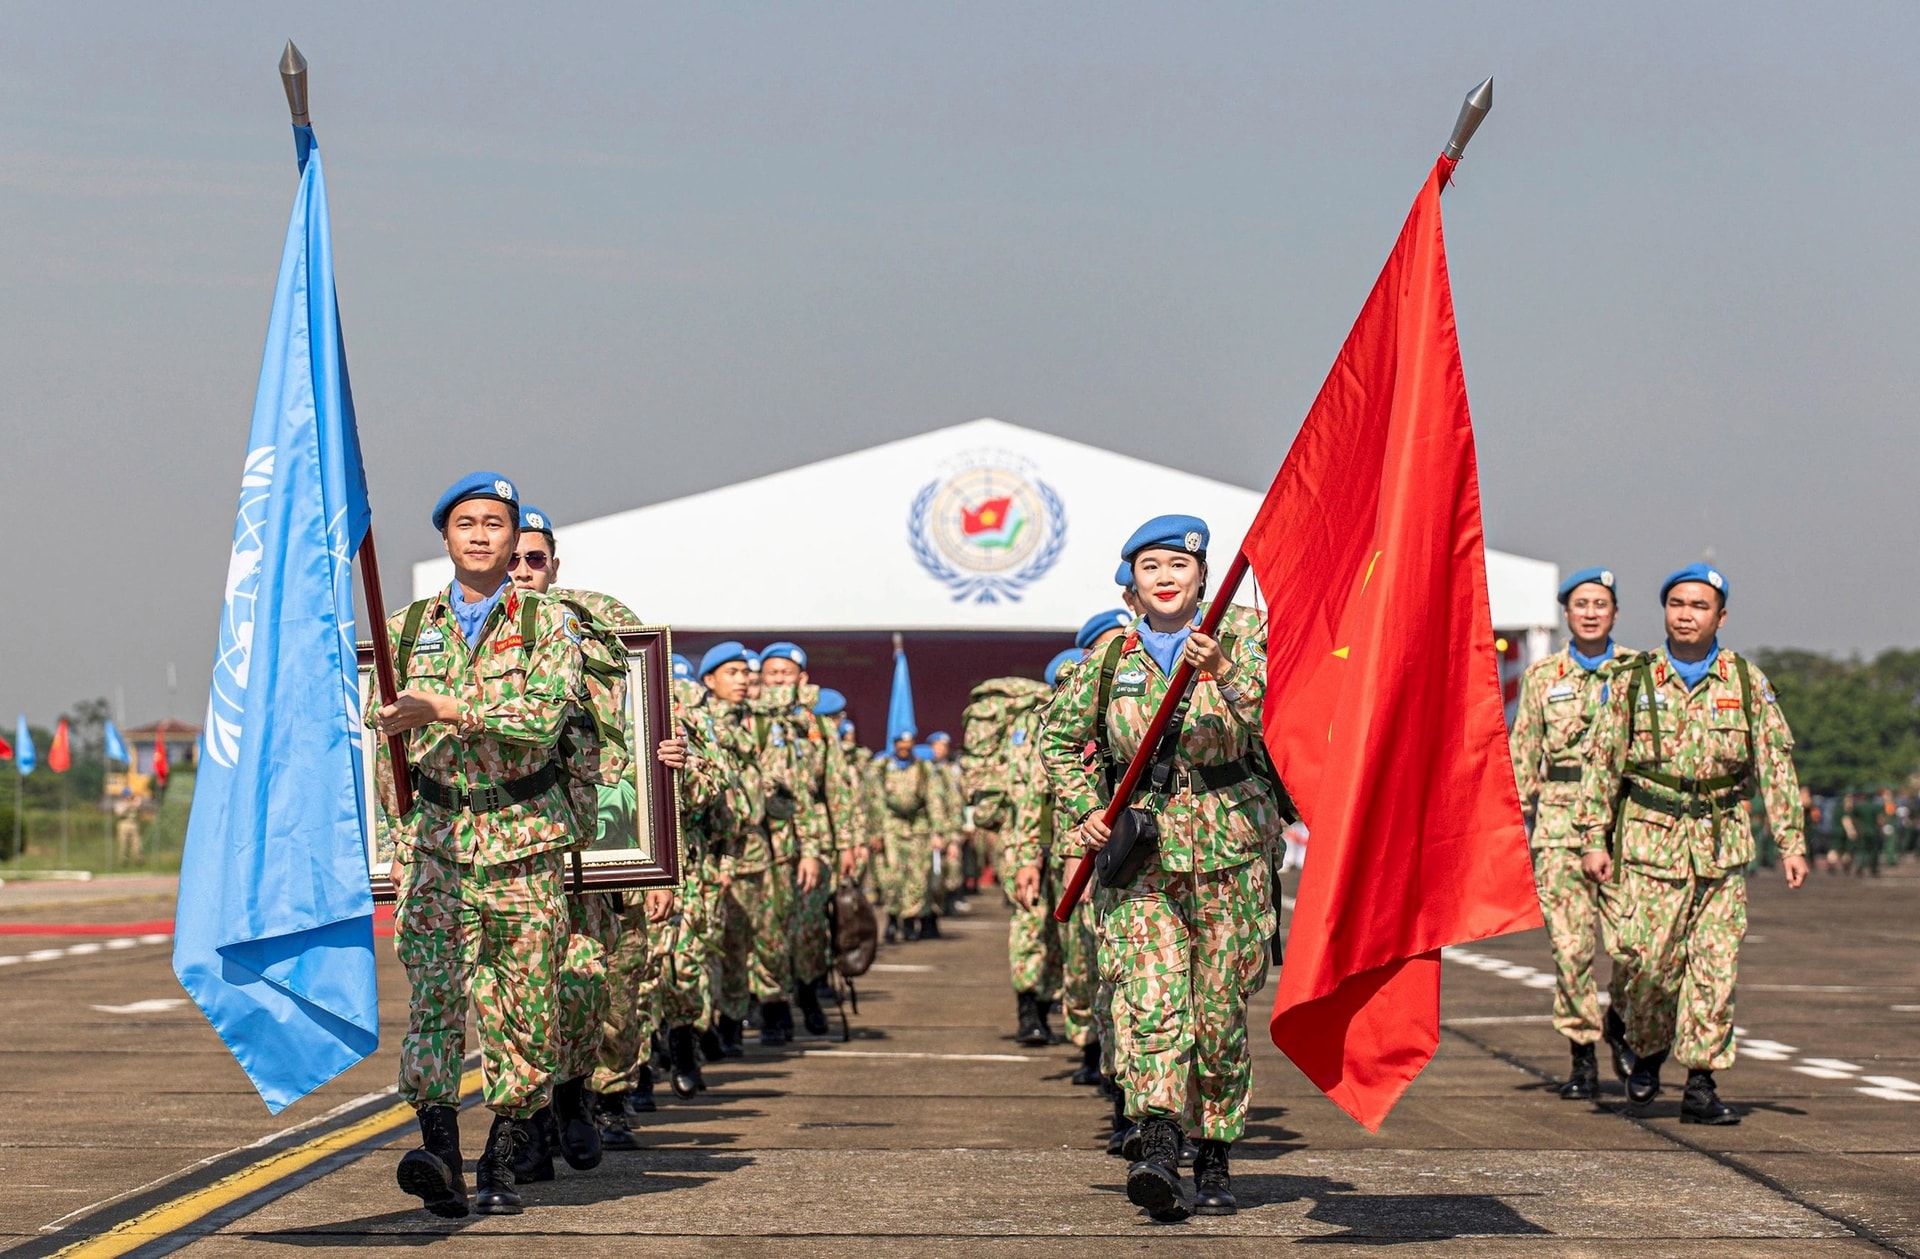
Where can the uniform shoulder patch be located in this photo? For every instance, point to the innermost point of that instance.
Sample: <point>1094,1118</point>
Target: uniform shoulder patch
<point>430,641</point>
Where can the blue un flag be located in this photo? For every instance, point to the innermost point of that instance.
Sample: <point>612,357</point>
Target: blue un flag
<point>274,934</point>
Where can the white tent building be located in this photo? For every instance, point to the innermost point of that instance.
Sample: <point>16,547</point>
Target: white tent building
<point>986,544</point>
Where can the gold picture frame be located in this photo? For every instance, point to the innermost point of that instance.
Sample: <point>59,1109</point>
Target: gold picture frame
<point>651,855</point>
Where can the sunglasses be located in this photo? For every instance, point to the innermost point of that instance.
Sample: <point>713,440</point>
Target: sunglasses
<point>536,560</point>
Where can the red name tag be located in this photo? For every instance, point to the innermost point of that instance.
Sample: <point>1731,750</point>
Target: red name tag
<point>507,644</point>
<point>1725,702</point>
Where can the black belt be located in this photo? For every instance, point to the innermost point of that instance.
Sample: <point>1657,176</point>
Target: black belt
<point>1682,806</point>
<point>1204,778</point>
<point>1564,773</point>
<point>489,799</point>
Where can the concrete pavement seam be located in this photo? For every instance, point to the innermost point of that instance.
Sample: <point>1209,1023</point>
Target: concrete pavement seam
<point>1728,1161</point>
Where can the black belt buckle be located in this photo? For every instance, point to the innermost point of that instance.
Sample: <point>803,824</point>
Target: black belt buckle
<point>1690,786</point>
<point>1182,781</point>
<point>486,799</point>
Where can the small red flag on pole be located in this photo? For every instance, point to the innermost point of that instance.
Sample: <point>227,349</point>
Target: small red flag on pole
<point>160,766</point>
<point>1384,710</point>
<point>60,755</point>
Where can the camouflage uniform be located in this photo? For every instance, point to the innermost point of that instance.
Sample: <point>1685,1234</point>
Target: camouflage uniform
<point>1669,771</point>
<point>907,808</point>
<point>1005,783</point>
<point>1188,937</point>
<point>686,946</point>
<point>1559,699</point>
<point>951,845</point>
<point>834,821</point>
<point>481,911</point>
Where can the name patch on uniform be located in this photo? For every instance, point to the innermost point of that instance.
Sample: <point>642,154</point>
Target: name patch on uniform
<point>430,642</point>
<point>1725,702</point>
<point>1559,693</point>
<point>507,644</point>
<point>1132,682</point>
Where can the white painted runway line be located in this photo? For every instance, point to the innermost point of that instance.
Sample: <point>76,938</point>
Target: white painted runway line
<point>881,1053</point>
<point>1886,1088</point>
<point>84,949</point>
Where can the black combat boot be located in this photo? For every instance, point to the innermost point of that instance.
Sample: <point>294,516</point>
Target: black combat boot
<point>1089,1073</point>
<point>534,1162</point>
<point>783,1018</point>
<point>1042,1007</point>
<point>929,926</point>
<point>1189,1152</point>
<point>1583,1078</point>
<point>1616,1038</point>
<point>1212,1181</point>
<point>773,1014</point>
<point>432,1173</point>
<point>1644,1084</point>
<point>808,998</point>
<point>909,930</point>
<point>1029,1032</point>
<point>1154,1183</point>
<point>893,929</point>
<point>1701,1102</point>
<point>615,1113</point>
<point>1122,1126</point>
<point>730,1046</point>
<point>640,1100</point>
<point>493,1174</point>
<point>710,1045</point>
<point>686,1081</point>
<point>578,1135</point>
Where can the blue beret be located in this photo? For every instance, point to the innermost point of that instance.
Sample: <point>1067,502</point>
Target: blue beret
<point>474,485</point>
<point>830,703</point>
<point>682,667</point>
<point>752,659</point>
<point>1697,572</point>
<point>1179,533</point>
<point>1111,619</point>
<point>939,736</point>
<point>1123,576</point>
<point>1598,576</point>
<point>721,653</point>
<point>1072,655</point>
<point>534,518</point>
<point>921,752</point>
<point>783,651</point>
<point>846,726</point>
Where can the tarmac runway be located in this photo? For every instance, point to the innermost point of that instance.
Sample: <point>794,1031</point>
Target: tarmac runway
<point>126,1128</point>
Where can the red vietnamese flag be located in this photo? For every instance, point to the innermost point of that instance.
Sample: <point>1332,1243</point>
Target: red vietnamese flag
<point>985,518</point>
<point>60,755</point>
<point>1383,690</point>
<point>160,767</point>
<point>6,750</point>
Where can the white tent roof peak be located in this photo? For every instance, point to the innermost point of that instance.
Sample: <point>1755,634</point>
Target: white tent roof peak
<point>978,526</point>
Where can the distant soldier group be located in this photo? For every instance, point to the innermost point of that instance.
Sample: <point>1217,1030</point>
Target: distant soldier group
<point>1154,969</point>
<point>1637,770</point>
<point>520,749</point>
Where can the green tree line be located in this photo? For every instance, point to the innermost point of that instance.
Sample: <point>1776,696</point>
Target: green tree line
<point>1856,723</point>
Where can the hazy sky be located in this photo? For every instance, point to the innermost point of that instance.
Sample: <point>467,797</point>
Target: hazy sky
<point>627,252</point>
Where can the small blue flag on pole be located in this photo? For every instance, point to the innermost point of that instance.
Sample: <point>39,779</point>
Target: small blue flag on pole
<point>273,937</point>
<point>23,755</point>
<point>116,749</point>
<point>900,721</point>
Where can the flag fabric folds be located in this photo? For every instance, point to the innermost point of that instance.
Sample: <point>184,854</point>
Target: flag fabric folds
<point>160,766</point>
<point>116,747</point>
<point>274,934</point>
<point>60,753</point>
<point>900,703</point>
<point>1383,694</point>
<point>23,755</point>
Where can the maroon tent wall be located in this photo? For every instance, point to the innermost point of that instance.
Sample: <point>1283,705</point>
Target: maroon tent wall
<point>945,667</point>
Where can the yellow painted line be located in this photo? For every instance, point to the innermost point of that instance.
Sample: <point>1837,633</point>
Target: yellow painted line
<point>190,1208</point>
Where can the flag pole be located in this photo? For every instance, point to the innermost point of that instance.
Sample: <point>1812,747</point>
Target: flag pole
<point>1473,111</point>
<point>293,78</point>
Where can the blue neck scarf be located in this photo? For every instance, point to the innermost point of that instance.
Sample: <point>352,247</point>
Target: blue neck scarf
<point>472,617</point>
<point>1165,648</point>
<point>1590,663</point>
<point>897,763</point>
<point>1691,673</point>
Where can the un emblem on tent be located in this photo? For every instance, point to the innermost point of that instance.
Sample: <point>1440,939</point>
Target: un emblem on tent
<point>987,530</point>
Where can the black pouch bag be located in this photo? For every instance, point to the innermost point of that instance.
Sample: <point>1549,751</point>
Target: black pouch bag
<point>1136,838</point>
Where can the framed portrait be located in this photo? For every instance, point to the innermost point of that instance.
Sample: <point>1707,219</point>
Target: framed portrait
<point>639,825</point>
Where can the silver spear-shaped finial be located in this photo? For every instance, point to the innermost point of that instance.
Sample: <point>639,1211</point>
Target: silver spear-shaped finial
<point>293,77</point>
<point>1473,111</point>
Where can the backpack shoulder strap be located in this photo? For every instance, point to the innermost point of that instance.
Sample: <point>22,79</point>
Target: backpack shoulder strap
<point>1103,693</point>
<point>1746,704</point>
<point>529,622</point>
<point>409,635</point>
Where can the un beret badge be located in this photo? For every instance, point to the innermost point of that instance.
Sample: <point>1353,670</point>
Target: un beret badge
<point>1193,541</point>
<point>503,488</point>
